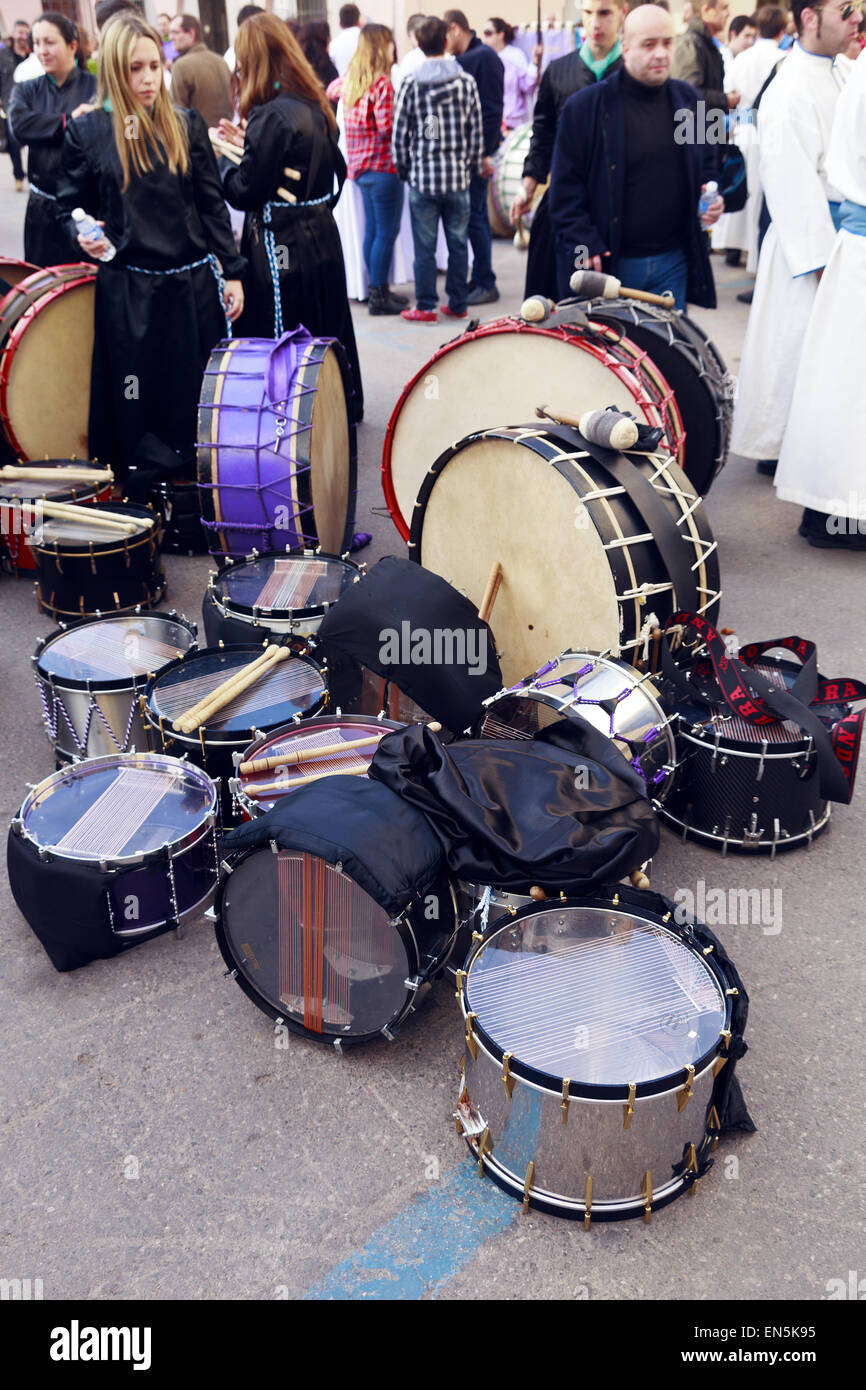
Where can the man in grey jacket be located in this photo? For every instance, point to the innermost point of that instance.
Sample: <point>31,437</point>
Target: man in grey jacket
<point>437,146</point>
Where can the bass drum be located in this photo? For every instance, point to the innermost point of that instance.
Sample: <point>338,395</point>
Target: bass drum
<point>12,272</point>
<point>508,368</point>
<point>276,447</point>
<point>506,181</point>
<point>695,369</point>
<point>46,345</point>
<point>596,548</point>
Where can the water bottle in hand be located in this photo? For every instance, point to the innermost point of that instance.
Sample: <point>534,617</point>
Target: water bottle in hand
<point>707,198</point>
<point>90,230</point>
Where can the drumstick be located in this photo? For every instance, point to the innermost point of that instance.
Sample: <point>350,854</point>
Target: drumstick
<point>86,515</point>
<point>193,711</point>
<point>490,592</point>
<point>234,154</point>
<point>307,755</point>
<point>72,475</point>
<point>265,788</point>
<point>229,691</point>
<point>563,417</point>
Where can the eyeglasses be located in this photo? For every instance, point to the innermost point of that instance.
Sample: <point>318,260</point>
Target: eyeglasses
<point>848,10</point>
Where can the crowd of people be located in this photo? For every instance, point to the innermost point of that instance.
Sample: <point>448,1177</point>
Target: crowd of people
<point>624,139</point>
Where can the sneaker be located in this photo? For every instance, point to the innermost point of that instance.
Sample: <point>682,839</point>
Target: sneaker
<point>746,296</point>
<point>420,315</point>
<point>480,296</point>
<point>767,467</point>
<point>452,313</point>
<point>380,303</point>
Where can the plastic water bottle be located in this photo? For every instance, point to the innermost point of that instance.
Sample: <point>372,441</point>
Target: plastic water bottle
<point>707,198</point>
<point>91,231</point>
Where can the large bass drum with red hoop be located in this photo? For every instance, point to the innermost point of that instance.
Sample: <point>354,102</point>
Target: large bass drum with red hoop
<point>594,546</point>
<point>499,373</point>
<point>46,345</point>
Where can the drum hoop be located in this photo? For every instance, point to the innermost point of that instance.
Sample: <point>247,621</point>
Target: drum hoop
<point>401,924</point>
<point>549,697</point>
<point>110,685</point>
<point>549,1084</point>
<point>231,608</point>
<point>364,721</point>
<point>96,548</point>
<point>222,738</point>
<point>150,761</point>
<point>622,370</point>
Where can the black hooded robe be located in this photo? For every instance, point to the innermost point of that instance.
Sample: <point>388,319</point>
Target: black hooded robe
<point>39,112</point>
<point>291,131</point>
<point>154,331</point>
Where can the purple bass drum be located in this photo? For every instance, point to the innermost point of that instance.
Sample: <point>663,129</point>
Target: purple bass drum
<point>276,447</point>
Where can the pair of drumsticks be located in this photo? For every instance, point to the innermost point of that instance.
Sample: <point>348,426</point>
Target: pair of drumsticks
<point>201,713</point>
<point>229,151</point>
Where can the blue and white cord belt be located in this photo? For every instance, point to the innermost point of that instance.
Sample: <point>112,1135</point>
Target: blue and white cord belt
<point>271,252</point>
<point>216,268</point>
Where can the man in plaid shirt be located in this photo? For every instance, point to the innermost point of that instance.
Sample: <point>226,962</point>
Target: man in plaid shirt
<point>437,146</point>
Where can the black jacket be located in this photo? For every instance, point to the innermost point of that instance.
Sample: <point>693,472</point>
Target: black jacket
<point>9,61</point>
<point>561,80</point>
<point>38,111</point>
<point>698,61</point>
<point>587,183</point>
<point>485,65</point>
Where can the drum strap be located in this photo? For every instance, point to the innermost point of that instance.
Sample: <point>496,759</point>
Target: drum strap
<point>570,315</point>
<point>657,518</point>
<point>752,697</point>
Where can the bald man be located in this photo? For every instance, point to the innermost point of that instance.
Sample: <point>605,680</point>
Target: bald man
<point>630,162</point>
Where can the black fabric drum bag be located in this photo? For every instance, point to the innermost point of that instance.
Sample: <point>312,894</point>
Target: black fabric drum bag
<point>382,842</point>
<point>395,592</point>
<point>65,906</point>
<point>512,812</point>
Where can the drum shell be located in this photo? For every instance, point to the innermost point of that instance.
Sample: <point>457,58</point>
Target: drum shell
<point>82,580</point>
<point>528,1128</point>
<point>722,784</point>
<point>177,502</point>
<point>411,928</point>
<point>118,702</point>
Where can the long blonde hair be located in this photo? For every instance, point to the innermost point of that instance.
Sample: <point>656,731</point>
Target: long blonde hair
<point>372,59</point>
<point>143,138</point>
<point>271,64</point>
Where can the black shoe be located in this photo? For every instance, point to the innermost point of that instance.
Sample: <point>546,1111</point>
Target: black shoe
<point>746,296</point>
<point>767,467</point>
<point>480,296</point>
<point>401,300</point>
<point>827,532</point>
<point>380,302</point>
<point>732,257</point>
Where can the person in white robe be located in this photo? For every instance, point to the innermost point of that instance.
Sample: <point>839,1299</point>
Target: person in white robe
<point>822,466</point>
<point>796,117</point>
<point>747,73</point>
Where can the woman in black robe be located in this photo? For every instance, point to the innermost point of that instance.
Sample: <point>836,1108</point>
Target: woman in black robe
<point>39,112</point>
<point>160,309</point>
<point>296,274</point>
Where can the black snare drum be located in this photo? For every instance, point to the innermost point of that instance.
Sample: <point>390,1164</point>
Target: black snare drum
<point>85,571</point>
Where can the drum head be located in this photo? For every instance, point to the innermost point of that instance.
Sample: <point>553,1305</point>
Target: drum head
<point>602,997</point>
<point>305,739</point>
<point>494,502</point>
<point>116,807</point>
<point>72,535</point>
<point>283,585</point>
<point>331,474</point>
<point>114,651</point>
<point>496,376</point>
<point>311,945</point>
<point>294,686</point>
<point>45,374</point>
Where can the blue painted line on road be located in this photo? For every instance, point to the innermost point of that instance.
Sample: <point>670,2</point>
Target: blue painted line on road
<point>426,1244</point>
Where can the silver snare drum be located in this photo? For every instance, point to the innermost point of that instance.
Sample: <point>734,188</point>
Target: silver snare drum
<point>90,676</point>
<point>608,693</point>
<point>593,1037</point>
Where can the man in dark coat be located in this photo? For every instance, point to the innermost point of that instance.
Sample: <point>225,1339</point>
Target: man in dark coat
<point>629,167</point>
<point>599,56</point>
<point>13,53</point>
<point>484,64</point>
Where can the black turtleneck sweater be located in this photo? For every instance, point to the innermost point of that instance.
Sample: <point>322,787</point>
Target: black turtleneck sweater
<point>655,212</point>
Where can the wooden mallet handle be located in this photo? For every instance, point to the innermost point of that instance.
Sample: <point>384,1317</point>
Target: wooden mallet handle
<point>306,755</point>
<point>490,593</point>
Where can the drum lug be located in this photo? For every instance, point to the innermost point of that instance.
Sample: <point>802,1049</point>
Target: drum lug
<point>527,1185</point>
<point>587,1202</point>
<point>485,1145</point>
<point>646,1189</point>
<point>764,746</point>
<point>230,974</point>
<point>752,836</point>
<point>508,1080</point>
<point>628,1108</point>
<point>566,1099</point>
<point>386,1033</point>
<point>471,1043</point>
<point>338,1044</point>
<point>414,983</point>
<point>210,914</point>
<point>17,826</point>
<point>225,866</point>
<point>685,1095</point>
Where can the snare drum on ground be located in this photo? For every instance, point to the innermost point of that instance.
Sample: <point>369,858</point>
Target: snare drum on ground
<point>85,570</point>
<point>89,679</point>
<point>110,850</point>
<point>18,522</point>
<point>275,593</point>
<point>594,1035</point>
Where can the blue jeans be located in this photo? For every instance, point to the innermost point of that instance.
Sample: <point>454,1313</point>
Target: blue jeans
<point>383,208</point>
<point>426,210</point>
<point>480,236</point>
<point>669,271</point>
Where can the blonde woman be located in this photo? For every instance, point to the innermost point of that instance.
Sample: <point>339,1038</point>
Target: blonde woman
<point>296,276</point>
<point>368,117</point>
<point>146,171</point>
